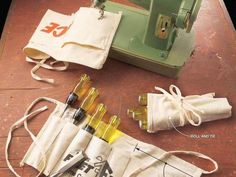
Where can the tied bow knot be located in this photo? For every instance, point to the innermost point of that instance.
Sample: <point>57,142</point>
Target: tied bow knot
<point>185,109</point>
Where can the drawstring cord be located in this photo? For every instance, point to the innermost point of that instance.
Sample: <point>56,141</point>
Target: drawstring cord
<point>185,109</point>
<point>169,153</point>
<point>22,121</point>
<point>16,125</point>
<point>197,154</point>
<point>42,64</point>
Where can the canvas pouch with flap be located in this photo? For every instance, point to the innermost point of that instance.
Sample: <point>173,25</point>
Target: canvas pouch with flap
<point>124,157</point>
<point>78,38</point>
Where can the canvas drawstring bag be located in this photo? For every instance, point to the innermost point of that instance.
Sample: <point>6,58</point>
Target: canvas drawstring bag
<point>78,38</point>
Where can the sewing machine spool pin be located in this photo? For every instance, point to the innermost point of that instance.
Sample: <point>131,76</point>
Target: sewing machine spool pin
<point>101,11</point>
<point>99,4</point>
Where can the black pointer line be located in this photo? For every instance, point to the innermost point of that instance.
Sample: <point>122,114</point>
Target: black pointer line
<point>137,148</point>
<point>164,169</point>
<point>178,130</point>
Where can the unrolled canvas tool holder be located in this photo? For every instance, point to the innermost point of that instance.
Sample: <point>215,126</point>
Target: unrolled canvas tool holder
<point>125,156</point>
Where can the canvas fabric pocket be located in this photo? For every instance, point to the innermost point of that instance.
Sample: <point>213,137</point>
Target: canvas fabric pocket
<point>52,140</point>
<point>118,161</point>
<point>45,139</point>
<point>59,146</point>
<point>79,143</point>
<point>97,153</point>
<point>78,38</point>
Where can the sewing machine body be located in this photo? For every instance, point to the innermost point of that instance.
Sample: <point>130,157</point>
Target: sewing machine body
<point>154,38</point>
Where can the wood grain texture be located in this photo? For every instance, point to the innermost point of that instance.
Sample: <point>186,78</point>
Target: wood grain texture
<point>212,68</point>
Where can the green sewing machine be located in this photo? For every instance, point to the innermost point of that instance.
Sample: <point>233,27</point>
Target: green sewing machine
<point>157,36</point>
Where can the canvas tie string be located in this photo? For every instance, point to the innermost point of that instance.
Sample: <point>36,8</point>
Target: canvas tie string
<point>185,109</point>
<point>23,121</point>
<point>166,155</point>
<point>49,66</point>
<point>16,125</point>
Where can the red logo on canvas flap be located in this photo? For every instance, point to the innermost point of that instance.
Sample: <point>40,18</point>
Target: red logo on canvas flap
<point>55,29</point>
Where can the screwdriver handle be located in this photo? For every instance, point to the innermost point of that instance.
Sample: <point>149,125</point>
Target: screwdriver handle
<point>79,115</point>
<point>71,99</point>
<point>95,119</point>
<point>114,122</point>
<point>83,80</point>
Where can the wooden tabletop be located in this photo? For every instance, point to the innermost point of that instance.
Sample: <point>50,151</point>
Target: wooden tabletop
<point>212,68</point>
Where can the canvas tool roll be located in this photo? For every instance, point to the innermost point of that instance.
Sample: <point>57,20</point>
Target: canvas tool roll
<point>170,109</point>
<point>124,157</point>
<point>78,38</point>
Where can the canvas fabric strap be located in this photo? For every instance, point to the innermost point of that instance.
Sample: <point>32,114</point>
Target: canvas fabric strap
<point>166,154</point>
<point>23,121</point>
<point>41,63</point>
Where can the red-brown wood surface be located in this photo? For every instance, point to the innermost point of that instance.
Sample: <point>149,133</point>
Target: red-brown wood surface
<point>212,68</point>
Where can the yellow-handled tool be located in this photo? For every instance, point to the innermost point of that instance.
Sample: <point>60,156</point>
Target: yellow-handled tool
<point>114,122</point>
<point>77,92</point>
<point>80,113</point>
